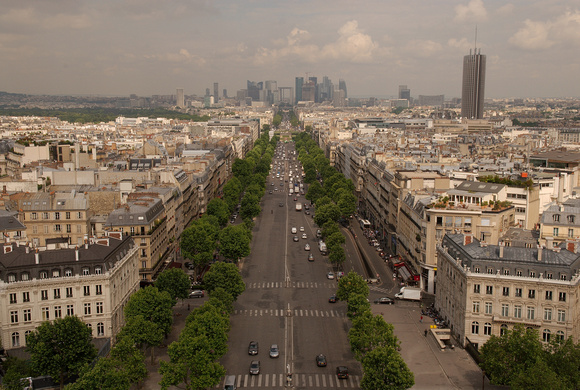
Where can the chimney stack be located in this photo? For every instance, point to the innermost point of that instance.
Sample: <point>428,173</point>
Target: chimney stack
<point>76,253</point>
<point>37,257</point>
<point>27,249</point>
<point>539,253</point>
<point>501,246</point>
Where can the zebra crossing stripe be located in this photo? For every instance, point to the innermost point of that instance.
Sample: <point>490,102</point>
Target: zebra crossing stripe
<point>323,380</point>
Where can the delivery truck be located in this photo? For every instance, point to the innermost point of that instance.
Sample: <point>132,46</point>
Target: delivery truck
<point>409,293</point>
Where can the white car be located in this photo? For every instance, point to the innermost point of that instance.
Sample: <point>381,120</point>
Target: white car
<point>307,247</point>
<point>304,235</point>
<point>330,275</point>
<point>293,230</point>
<point>301,228</point>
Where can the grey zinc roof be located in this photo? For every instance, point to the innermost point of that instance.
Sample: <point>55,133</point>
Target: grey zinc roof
<point>477,186</point>
<point>8,221</point>
<point>138,212</point>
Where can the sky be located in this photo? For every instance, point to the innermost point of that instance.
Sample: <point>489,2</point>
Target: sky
<point>146,47</point>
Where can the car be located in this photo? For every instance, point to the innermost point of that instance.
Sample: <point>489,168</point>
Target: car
<point>332,299</point>
<point>255,367</point>
<point>196,294</point>
<point>293,230</point>
<point>272,183</point>
<point>304,236</point>
<point>342,372</point>
<point>301,228</point>
<point>330,275</point>
<point>187,264</point>
<point>310,257</point>
<point>274,351</point>
<point>232,221</point>
<point>281,184</point>
<point>270,192</point>
<point>307,212</point>
<point>306,207</point>
<point>253,348</point>
<point>295,199</point>
<point>385,301</point>
<point>281,204</point>
<point>307,247</point>
<point>321,360</point>
<point>295,238</point>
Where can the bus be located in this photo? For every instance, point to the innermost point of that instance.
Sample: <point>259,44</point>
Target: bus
<point>365,224</point>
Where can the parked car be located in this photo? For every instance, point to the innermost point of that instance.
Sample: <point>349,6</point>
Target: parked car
<point>321,360</point>
<point>196,294</point>
<point>255,367</point>
<point>253,348</point>
<point>385,301</point>
<point>301,228</point>
<point>342,372</point>
<point>274,351</point>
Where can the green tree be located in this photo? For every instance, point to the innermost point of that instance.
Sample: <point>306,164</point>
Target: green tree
<point>234,242</point>
<point>142,332</point>
<point>222,298</point>
<point>242,169</point>
<point>323,201</point>
<point>539,376</point>
<point>385,369</point>
<point>232,190</point>
<point>369,332</point>
<point>175,281</point>
<point>357,305</point>
<point>325,213</point>
<point>336,254</point>
<point>250,206</point>
<point>314,192</point>
<point>329,228</point>
<point>60,348</point>
<point>347,204</point>
<point>209,321</point>
<point>336,238</point>
<point>219,208</point>
<point>564,357</point>
<point>15,370</point>
<point>350,284</point>
<point>199,241</point>
<point>504,357</point>
<point>227,276</point>
<point>153,305</point>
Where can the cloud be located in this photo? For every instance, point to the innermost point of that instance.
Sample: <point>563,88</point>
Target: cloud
<point>506,9</point>
<point>539,35</point>
<point>462,44</point>
<point>183,56</point>
<point>474,11</point>
<point>33,19</point>
<point>352,46</point>
<point>423,48</point>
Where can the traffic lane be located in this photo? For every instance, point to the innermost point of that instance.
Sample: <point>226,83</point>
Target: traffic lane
<point>353,261</point>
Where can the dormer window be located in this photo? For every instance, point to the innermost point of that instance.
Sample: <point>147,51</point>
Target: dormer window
<point>98,270</point>
<point>86,271</point>
<point>55,273</point>
<point>571,218</point>
<point>68,272</point>
<point>556,217</point>
<point>25,276</point>
<point>11,278</point>
<point>43,275</point>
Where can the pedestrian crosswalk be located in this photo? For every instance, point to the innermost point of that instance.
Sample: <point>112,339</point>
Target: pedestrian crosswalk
<point>379,289</point>
<point>285,313</point>
<point>303,381</point>
<point>291,284</point>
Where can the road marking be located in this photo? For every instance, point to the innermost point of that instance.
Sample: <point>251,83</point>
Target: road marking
<point>260,380</point>
<point>317,380</point>
<point>253,380</point>
<point>323,380</point>
<point>246,380</point>
<point>322,313</point>
<point>316,313</point>
<point>332,313</point>
<point>309,381</point>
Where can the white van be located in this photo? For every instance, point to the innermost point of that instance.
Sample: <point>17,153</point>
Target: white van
<point>230,383</point>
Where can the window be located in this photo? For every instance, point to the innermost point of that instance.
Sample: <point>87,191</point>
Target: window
<point>476,288</point>
<point>490,271</point>
<point>34,216</point>
<point>44,215</point>
<point>87,307</point>
<point>68,272</point>
<point>532,274</point>
<point>98,270</point>
<point>67,215</point>
<point>476,307</point>
<point>86,290</point>
<point>476,270</point>
<point>561,315</point>
<point>69,292</point>
<point>70,310</point>
<point>56,292</point>
<point>506,291</point>
<point>57,312</point>
<point>57,228</point>
<point>475,327</point>
<point>489,290</point>
<point>100,329</point>
<point>143,253</point>
<point>570,233</point>
<point>15,339</point>
<point>14,317</point>
<point>556,231</point>
<point>556,217</point>
<point>68,228</point>
<point>25,276</point>
<point>546,335</point>
<point>505,310</point>
<point>549,275</point>
<point>488,308</point>
<point>26,296</point>
<point>27,315</point>
<point>99,307</point>
<point>44,295</point>
<point>45,229</point>
<point>55,273</point>
<point>506,272</point>
<point>57,215</point>
<point>548,295</point>
<point>11,278</point>
<point>13,298</point>
<point>503,329</point>
<point>86,271</point>
<point>571,218</point>
<point>79,215</point>
<point>517,311</point>
<point>518,273</point>
<point>144,264</point>
<point>487,329</point>
<point>547,314</point>
<point>43,275</point>
<point>98,289</point>
<point>563,277</point>
<point>532,294</point>
<point>518,293</point>
<point>562,297</point>
<point>45,313</point>
<point>531,313</point>
<point>560,335</point>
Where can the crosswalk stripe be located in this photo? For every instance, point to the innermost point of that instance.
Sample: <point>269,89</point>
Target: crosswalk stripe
<point>246,379</point>
<point>281,380</point>
<point>260,380</point>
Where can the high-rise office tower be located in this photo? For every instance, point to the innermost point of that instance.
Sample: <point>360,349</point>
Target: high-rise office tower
<point>225,93</point>
<point>404,92</point>
<point>216,92</point>
<point>206,92</point>
<point>180,98</point>
<point>342,87</point>
<point>299,84</point>
<point>473,87</point>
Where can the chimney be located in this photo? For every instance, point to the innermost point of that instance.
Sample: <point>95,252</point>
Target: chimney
<point>37,257</point>
<point>27,249</point>
<point>86,244</point>
<point>467,239</point>
<point>540,253</point>
<point>76,253</point>
<point>501,246</point>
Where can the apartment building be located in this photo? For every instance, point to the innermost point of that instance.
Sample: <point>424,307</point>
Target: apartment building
<point>560,223</point>
<point>484,290</point>
<point>93,281</point>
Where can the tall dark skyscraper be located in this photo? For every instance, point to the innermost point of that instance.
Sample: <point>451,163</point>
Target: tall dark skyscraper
<point>215,92</point>
<point>299,84</point>
<point>473,87</point>
<point>342,87</point>
<point>404,92</point>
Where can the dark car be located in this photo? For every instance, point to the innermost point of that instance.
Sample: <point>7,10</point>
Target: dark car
<point>281,204</point>
<point>332,299</point>
<point>196,294</point>
<point>310,257</point>
<point>253,348</point>
<point>255,367</point>
<point>321,360</point>
<point>385,301</point>
<point>295,238</point>
<point>342,372</point>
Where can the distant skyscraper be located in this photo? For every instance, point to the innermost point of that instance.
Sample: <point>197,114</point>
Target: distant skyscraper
<point>404,92</point>
<point>342,87</point>
<point>207,92</point>
<point>473,87</point>
<point>299,84</point>
<point>225,93</point>
<point>254,89</point>
<point>216,92</point>
<point>180,98</point>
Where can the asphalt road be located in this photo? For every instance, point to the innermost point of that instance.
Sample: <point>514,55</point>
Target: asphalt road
<point>286,303</point>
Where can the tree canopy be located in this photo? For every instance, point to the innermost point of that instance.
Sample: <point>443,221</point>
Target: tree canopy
<point>234,242</point>
<point>350,284</point>
<point>385,369</point>
<point>227,276</point>
<point>175,281</point>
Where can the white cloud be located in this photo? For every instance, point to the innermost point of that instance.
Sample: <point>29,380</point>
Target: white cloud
<point>539,35</point>
<point>474,11</point>
<point>423,48</point>
<point>183,56</point>
<point>352,45</point>
<point>462,44</point>
<point>506,9</point>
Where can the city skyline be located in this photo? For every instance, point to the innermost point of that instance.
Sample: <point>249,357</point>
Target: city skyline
<point>145,47</point>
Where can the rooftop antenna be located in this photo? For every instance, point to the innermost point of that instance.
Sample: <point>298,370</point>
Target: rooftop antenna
<point>475,39</point>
